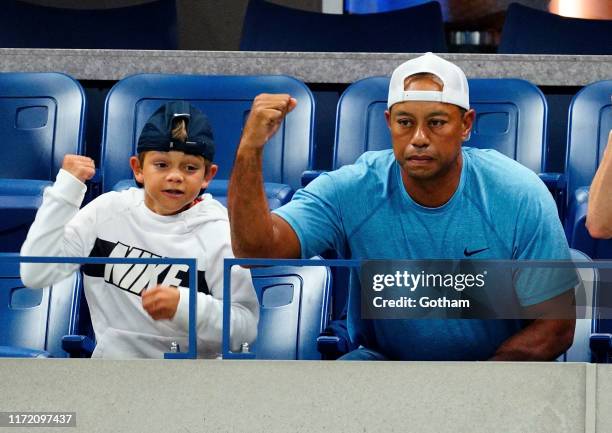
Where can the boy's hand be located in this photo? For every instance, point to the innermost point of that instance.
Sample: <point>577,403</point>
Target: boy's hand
<point>160,302</point>
<point>81,167</point>
<point>267,113</point>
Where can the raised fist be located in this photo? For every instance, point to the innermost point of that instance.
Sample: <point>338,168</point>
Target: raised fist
<point>267,113</point>
<point>81,167</point>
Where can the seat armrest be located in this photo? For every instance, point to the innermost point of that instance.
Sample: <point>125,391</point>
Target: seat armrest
<point>601,347</point>
<point>78,346</point>
<point>310,175</point>
<point>556,184</point>
<point>329,346</point>
<point>577,235</point>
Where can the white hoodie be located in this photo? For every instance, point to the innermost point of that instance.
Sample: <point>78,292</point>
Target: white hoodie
<point>118,224</point>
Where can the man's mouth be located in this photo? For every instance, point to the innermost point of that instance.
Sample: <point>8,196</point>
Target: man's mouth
<point>420,159</point>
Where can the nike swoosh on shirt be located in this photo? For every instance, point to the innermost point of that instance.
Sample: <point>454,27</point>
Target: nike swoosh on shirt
<point>467,253</point>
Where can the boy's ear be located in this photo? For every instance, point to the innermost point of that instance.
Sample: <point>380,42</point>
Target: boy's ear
<point>136,169</point>
<point>211,172</point>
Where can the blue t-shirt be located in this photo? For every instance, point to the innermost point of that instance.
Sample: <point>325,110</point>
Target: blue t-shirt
<point>364,212</point>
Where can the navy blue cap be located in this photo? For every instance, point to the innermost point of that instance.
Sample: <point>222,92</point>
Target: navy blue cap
<point>157,132</point>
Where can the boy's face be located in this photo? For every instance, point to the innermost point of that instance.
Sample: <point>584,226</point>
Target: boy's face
<point>172,180</point>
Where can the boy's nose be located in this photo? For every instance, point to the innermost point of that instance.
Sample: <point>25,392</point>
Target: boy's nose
<point>174,176</point>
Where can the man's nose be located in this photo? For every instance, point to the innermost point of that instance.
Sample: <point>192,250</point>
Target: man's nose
<point>420,138</point>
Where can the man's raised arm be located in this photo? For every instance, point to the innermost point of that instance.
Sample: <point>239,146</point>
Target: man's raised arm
<point>256,232</point>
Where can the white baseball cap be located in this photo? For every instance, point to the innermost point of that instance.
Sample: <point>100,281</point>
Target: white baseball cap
<point>454,90</point>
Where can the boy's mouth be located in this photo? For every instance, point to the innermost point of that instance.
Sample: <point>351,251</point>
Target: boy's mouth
<point>173,192</point>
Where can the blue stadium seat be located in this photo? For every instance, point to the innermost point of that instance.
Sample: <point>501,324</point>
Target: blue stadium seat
<point>532,31</point>
<point>510,117</point>
<point>590,121</point>
<point>270,27</point>
<point>294,309</point>
<point>226,100</point>
<point>148,26</point>
<point>41,119</point>
<point>33,322</point>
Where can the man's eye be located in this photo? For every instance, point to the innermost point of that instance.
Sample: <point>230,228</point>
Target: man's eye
<point>437,122</point>
<point>404,122</point>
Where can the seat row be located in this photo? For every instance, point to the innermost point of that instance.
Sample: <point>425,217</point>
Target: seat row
<point>272,27</point>
<point>42,119</point>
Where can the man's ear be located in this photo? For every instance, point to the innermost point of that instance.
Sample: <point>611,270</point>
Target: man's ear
<point>210,174</point>
<point>468,123</point>
<point>136,169</point>
<point>388,118</point>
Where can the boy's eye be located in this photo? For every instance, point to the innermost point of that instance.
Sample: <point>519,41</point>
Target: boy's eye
<point>192,168</point>
<point>160,164</point>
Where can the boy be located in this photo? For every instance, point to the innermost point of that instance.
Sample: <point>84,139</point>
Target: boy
<point>138,311</point>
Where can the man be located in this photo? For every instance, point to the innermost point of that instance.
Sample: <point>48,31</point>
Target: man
<point>599,214</point>
<point>426,199</point>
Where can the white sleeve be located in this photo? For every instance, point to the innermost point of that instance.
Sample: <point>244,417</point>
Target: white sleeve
<point>51,234</point>
<point>244,308</point>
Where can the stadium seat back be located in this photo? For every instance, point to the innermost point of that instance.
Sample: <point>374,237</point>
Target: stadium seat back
<point>148,26</point>
<point>533,31</point>
<point>41,119</point>
<point>226,100</point>
<point>510,117</point>
<point>33,321</point>
<point>271,27</point>
<point>294,309</point>
<point>590,121</point>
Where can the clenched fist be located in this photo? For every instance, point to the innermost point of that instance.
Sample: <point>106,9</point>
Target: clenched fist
<point>161,302</point>
<point>267,113</point>
<point>81,167</point>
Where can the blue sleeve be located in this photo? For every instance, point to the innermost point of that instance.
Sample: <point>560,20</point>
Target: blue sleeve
<point>540,236</point>
<point>315,215</point>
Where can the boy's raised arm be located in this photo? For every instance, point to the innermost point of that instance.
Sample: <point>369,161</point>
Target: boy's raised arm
<point>47,235</point>
<point>256,232</point>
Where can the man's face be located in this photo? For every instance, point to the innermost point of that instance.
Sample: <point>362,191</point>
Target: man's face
<point>427,136</point>
<point>172,180</point>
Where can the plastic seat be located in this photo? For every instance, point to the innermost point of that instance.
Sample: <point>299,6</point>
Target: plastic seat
<point>271,27</point>
<point>148,26</point>
<point>510,117</point>
<point>532,31</point>
<point>41,119</point>
<point>226,100</point>
<point>33,322</point>
<point>590,121</point>
<point>294,309</point>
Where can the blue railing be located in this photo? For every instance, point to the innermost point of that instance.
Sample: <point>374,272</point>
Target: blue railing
<point>190,262</point>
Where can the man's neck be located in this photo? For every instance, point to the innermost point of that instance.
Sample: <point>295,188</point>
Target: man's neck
<point>434,192</point>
